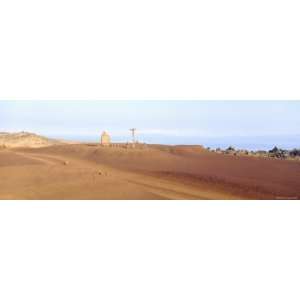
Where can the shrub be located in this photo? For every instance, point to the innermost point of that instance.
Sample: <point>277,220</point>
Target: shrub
<point>230,148</point>
<point>274,150</point>
<point>295,152</point>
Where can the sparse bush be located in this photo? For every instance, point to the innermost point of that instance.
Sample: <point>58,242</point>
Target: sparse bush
<point>230,148</point>
<point>274,150</point>
<point>295,152</point>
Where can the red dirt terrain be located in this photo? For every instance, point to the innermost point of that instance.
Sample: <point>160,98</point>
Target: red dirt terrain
<point>89,171</point>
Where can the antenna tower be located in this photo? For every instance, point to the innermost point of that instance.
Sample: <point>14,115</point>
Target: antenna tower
<point>133,130</point>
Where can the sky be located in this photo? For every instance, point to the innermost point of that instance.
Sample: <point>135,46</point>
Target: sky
<point>156,121</point>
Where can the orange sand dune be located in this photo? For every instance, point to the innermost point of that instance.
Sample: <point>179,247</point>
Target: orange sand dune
<point>155,172</point>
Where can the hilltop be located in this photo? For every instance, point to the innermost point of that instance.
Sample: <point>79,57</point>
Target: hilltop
<point>25,139</point>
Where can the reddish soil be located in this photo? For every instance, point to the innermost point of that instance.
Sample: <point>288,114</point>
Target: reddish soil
<point>155,172</point>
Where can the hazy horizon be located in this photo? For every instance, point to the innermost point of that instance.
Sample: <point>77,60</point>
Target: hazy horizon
<point>243,124</point>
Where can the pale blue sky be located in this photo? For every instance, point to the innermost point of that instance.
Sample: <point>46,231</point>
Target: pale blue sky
<point>155,120</point>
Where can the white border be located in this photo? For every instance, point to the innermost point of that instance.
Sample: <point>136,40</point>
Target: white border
<point>149,250</point>
<point>164,49</point>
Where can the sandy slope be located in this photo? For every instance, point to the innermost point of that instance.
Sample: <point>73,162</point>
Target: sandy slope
<point>25,139</point>
<point>156,172</point>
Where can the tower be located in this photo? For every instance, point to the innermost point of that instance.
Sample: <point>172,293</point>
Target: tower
<point>133,130</point>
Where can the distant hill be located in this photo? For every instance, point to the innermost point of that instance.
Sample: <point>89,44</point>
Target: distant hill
<point>26,139</point>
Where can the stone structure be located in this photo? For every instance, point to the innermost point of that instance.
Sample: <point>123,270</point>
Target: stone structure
<point>105,139</point>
